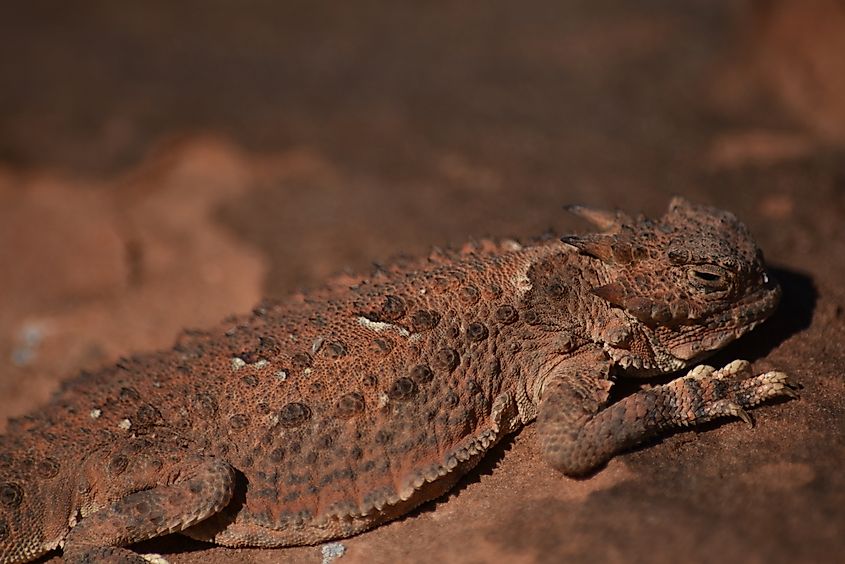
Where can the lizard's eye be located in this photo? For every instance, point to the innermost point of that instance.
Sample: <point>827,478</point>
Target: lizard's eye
<point>708,277</point>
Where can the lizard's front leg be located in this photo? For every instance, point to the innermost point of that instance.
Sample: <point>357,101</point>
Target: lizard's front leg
<point>578,432</point>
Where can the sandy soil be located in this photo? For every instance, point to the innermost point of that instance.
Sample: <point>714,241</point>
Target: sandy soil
<point>163,166</point>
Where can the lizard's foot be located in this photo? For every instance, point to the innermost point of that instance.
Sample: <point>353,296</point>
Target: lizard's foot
<point>112,555</point>
<point>705,393</point>
<point>115,555</point>
<point>201,488</point>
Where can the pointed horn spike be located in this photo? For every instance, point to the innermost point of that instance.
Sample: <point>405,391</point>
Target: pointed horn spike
<point>679,203</point>
<point>614,293</point>
<point>597,246</point>
<point>603,219</point>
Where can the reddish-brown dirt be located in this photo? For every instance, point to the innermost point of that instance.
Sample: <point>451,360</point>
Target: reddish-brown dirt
<point>167,164</point>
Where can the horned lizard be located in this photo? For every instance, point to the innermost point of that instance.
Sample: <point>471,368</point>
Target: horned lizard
<point>334,411</point>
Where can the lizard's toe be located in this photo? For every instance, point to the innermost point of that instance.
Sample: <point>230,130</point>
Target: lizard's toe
<point>734,369</point>
<point>770,385</point>
<point>728,408</point>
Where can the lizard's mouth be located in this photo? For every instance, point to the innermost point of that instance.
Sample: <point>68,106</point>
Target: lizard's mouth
<point>666,349</point>
<point>728,325</point>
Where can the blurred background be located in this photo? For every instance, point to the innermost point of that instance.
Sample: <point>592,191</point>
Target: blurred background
<point>164,164</point>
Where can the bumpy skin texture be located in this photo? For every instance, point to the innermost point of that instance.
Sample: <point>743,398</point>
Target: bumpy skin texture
<point>335,411</point>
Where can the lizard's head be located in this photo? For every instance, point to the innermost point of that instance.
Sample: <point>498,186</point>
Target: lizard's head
<point>688,284</point>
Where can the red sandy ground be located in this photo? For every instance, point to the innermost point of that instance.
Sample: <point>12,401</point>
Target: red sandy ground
<point>337,136</point>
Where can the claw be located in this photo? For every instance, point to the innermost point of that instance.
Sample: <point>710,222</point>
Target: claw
<point>744,415</point>
<point>784,386</point>
<point>728,407</point>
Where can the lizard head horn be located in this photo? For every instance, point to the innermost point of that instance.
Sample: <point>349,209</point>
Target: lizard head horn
<point>606,220</point>
<point>605,246</point>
